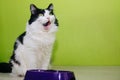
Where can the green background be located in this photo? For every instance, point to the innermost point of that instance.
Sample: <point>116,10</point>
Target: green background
<point>89,31</point>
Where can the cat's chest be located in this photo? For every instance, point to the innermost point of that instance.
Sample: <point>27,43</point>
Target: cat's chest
<point>39,41</point>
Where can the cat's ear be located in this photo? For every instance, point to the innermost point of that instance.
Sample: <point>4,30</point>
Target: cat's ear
<point>50,7</point>
<point>33,9</point>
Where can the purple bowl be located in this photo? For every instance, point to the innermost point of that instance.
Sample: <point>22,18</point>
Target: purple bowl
<point>49,75</point>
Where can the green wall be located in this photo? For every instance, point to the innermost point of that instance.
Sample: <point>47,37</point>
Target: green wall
<point>89,31</point>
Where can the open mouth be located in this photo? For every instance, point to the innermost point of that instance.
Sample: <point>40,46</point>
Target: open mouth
<point>47,25</point>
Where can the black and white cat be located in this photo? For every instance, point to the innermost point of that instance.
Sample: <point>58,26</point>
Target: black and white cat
<point>33,48</point>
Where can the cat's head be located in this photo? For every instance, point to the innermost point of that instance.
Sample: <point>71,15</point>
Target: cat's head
<point>43,20</point>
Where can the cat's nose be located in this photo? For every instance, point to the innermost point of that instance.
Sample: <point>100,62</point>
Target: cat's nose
<point>48,18</point>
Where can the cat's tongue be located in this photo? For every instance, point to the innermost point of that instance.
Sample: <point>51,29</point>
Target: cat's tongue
<point>47,25</point>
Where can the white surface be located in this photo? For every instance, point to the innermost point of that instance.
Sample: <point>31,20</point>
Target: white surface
<point>83,73</point>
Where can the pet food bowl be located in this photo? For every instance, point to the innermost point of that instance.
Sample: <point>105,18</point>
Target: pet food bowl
<point>49,75</point>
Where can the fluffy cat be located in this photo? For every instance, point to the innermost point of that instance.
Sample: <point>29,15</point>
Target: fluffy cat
<point>33,48</point>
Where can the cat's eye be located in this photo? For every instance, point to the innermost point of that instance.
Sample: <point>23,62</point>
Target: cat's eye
<point>51,13</point>
<point>40,14</point>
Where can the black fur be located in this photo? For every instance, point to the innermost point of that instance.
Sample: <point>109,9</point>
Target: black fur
<point>50,7</point>
<point>20,38</point>
<point>36,15</point>
<point>56,22</point>
<point>5,67</point>
<point>14,60</point>
<point>15,45</point>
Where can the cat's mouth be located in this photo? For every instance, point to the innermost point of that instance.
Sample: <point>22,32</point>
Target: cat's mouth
<point>47,25</point>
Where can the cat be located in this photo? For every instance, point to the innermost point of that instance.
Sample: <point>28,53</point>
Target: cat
<point>33,48</point>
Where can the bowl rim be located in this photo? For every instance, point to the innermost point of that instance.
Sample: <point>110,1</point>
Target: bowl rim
<point>49,71</point>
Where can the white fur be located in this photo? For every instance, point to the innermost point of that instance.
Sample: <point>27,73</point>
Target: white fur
<point>36,51</point>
